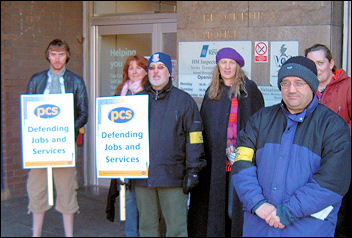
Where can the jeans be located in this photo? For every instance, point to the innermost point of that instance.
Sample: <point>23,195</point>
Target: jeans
<point>131,223</point>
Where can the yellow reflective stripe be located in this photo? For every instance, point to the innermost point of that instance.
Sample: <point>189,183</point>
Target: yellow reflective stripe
<point>195,137</point>
<point>244,154</point>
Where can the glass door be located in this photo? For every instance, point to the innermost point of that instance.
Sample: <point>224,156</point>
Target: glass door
<point>113,44</point>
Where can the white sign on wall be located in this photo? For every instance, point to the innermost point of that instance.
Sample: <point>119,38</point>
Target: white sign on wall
<point>261,51</point>
<point>197,61</point>
<point>122,137</point>
<point>280,52</point>
<point>48,135</point>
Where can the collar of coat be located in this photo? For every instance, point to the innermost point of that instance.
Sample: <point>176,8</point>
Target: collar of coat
<point>158,94</point>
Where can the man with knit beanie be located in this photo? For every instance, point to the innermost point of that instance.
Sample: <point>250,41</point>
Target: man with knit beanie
<point>292,166</point>
<point>175,152</point>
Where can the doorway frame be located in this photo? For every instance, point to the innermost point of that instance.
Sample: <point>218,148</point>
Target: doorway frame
<point>92,26</point>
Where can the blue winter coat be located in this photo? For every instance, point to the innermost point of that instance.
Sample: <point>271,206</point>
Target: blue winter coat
<point>300,163</point>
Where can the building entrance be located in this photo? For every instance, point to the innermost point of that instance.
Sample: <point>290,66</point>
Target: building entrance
<point>111,44</point>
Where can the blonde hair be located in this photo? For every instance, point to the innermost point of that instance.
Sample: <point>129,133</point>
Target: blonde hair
<point>216,88</point>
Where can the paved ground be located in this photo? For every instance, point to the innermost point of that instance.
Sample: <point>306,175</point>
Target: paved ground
<point>90,222</point>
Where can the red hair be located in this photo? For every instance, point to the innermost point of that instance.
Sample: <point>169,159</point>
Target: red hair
<point>141,62</point>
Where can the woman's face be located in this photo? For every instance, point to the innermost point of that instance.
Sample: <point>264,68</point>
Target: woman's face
<point>227,69</point>
<point>135,72</point>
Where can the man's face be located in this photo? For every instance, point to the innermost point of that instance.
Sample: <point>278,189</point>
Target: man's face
<point>57,59</point>
<point>324,67</point>
<point>158,75</point>
<point>296,94</point>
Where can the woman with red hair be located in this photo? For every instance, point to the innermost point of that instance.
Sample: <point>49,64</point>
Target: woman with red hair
<point>134,76</point>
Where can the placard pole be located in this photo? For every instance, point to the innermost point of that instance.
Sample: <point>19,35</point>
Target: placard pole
<point>50,186</point>
<point>122,201</point>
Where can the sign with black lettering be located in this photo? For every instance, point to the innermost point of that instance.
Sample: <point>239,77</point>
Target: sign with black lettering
<point>48,135</point>
<point>122,137</point>
<point>197,61</point>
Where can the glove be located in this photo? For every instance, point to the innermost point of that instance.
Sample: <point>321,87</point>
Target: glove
<point>190,181</point>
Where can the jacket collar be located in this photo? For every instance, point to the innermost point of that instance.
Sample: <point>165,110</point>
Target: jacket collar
<point>300,116</point>
<point>158,94</point>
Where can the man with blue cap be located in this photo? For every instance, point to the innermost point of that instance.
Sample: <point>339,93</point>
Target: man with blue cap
<point>292,166</point>
<point>175,151</point>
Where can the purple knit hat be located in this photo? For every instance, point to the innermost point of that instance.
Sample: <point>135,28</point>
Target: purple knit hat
<point>229,53</point>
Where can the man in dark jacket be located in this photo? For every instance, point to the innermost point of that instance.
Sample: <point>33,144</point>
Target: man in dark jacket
<point>292,166</point>
<point>176,148</point>
<point>57,80</point>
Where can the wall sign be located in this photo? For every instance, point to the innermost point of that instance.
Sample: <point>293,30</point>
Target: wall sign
<point>261,51</point>
<point>197,61</point>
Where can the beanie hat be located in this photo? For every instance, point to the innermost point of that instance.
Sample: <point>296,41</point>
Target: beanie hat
<point>301,67</point>
<point>163,58</point>
<point>229,53</point>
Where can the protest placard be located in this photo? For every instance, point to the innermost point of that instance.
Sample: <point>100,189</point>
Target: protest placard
<point>48,135</point>
<point>122,137</point>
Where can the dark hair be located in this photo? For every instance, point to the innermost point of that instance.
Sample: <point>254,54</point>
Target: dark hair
<point>58,44</point>
<point>322,47</point>
<point>141,62</point>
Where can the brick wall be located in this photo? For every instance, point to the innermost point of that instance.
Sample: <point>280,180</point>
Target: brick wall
<point>26,29</point>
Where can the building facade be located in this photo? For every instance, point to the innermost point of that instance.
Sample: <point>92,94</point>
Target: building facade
<point>102,34</point>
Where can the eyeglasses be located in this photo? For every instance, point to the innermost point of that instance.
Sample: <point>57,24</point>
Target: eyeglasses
<point>296,84</point>
<point>160,67</point>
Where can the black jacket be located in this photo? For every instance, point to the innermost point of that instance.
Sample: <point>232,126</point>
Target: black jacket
<point>173,115</point>
<point>208,209</point>
<point>73,84</point>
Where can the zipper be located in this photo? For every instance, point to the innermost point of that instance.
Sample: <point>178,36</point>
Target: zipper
<point>156,95</point>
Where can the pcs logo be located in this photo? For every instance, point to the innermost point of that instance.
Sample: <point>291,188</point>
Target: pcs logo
<point>47,111</point>
<point>121,115</point>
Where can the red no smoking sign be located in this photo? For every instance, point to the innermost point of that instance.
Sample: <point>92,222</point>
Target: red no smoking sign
<point>261,51</point>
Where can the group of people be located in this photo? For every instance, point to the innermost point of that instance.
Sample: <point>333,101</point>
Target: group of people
<point>232,168</point>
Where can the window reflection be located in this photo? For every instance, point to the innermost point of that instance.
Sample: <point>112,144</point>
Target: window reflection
<point>114,50</point>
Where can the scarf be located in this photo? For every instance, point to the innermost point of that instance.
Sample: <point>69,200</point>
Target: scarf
<point>55,86</point>
<point>134,87</point>
<point>232,130</point>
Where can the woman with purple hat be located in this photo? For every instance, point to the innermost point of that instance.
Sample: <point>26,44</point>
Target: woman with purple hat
<point>228,103</point>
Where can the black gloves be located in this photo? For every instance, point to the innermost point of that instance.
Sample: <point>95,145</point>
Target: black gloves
<point>113,194</point>
<point>190,181</point>
<point>110,203</point>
